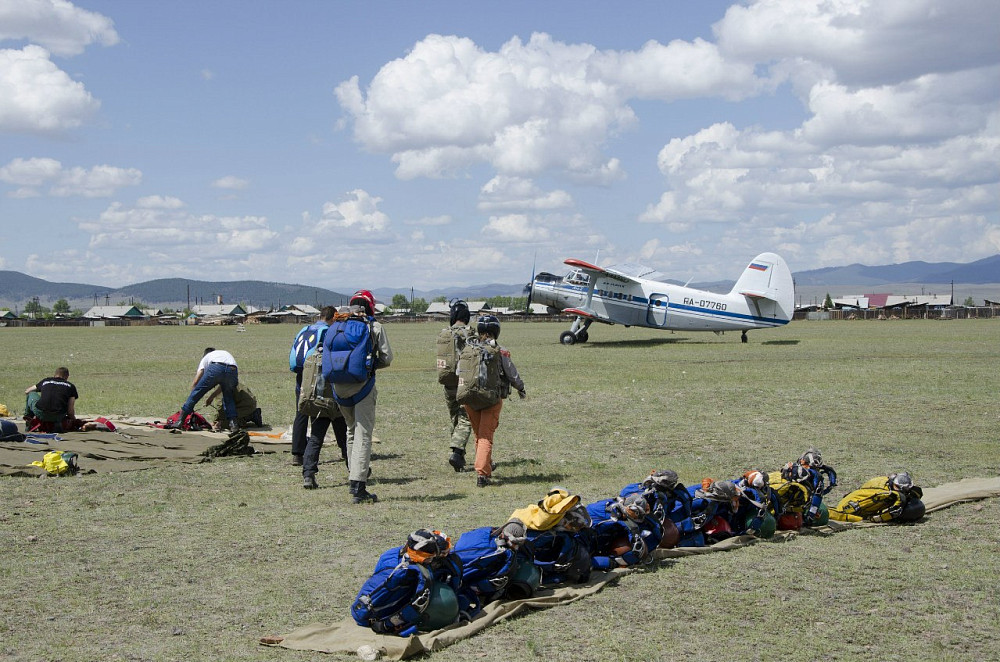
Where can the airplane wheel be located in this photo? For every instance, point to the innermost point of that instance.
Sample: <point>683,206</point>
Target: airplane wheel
<point>567,338</point>
<point>583,337</point>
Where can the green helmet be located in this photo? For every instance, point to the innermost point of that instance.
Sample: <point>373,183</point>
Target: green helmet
<point>524,581</point>
<point>822,516</point>
<point>442,609</point>
<point>767,526</point>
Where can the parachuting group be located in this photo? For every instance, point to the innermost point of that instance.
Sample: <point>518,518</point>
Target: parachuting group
<point>428,583</point>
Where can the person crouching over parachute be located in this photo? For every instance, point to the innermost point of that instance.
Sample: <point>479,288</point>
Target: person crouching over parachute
<point>415,587</point>
<point>892,498</point>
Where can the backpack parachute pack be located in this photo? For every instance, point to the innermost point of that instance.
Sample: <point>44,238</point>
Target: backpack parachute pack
<point>316,398</point>
<point>450,343</point>
<point>58,463</point>
<point>193,421</point>
<point>305,343</point>
<point>349,356</point>
<point>479,375</point>
<point>8,431</point>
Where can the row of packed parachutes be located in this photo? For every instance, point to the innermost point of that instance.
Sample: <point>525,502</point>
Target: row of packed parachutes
<point>428,583</point>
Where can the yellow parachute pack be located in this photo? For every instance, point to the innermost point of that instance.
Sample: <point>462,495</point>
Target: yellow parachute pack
<point>58,463</point>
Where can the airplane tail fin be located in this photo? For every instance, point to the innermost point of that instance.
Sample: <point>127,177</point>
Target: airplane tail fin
<point>767,277</point>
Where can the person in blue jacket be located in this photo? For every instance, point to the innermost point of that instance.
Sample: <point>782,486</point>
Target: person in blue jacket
<point>491,558</point>
<point>305,343</point>
<point>563,553</point>
<point>625,534</point>
<point>415,587</point>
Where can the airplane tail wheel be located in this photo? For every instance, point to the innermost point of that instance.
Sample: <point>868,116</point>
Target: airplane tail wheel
<point>583,336</point>
<point>567,338</point>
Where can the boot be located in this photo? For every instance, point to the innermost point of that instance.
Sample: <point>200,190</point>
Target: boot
<point>361,494</point>
<point>309,482</point>
<point>234,426</point>
<point>457,459</point>
<point>296,460</point>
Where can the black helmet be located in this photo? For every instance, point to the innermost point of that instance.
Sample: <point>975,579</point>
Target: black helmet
<point>489,325</point>
<point>459,311</point>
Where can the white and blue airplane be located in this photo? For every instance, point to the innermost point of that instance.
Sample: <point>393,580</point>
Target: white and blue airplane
<point>634,295</point>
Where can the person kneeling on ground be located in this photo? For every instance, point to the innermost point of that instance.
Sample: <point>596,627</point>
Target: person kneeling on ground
<point>247,412</point>
<point>415,587</point>
<point>52,401</point>
<point>892,498</point>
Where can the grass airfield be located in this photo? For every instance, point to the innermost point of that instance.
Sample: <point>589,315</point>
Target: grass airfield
<point>199,561</point>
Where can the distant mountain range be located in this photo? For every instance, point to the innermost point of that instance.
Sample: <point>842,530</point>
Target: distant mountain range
<point>16,288</point>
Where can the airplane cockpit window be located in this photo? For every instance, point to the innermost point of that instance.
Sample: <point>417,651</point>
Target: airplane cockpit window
<point>578,277</point>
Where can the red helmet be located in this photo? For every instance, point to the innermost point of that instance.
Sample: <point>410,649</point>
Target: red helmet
<point>364,298</point>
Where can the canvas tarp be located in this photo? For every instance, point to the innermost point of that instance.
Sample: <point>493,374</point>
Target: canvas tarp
<point>345,636</point>
<point>135,445</point>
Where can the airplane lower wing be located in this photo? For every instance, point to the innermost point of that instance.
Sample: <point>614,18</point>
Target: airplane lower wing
<point>588,314</point>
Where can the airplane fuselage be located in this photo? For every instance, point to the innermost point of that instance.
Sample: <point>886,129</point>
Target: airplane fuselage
<point>654,304</point>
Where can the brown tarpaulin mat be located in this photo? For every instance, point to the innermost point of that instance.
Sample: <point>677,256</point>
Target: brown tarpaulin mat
<point>132,447</point>
<point>346,636</point>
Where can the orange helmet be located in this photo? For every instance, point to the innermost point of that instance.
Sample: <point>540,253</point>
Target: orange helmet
<point>423,546</point>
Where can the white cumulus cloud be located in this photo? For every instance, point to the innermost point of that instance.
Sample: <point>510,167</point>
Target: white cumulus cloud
<point>33,175</point>
<point>520,194</point>
<point>58,25</point>
<point>36,96</point>
<point>231,182</point>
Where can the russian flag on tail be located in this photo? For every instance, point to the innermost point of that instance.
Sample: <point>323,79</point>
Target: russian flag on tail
<point>758,267</point>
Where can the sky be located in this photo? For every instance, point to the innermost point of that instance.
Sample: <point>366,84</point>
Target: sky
<point>440,144</point>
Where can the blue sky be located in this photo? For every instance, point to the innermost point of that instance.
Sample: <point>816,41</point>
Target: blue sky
<point>405,144</point>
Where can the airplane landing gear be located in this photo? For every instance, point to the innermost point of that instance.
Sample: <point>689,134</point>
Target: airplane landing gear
<point>577,332</point>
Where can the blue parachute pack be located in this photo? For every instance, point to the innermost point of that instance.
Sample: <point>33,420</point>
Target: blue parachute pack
<point>393,600</point>
<point>349,356</point>
<point>486,567</point>
<point>306,341</point>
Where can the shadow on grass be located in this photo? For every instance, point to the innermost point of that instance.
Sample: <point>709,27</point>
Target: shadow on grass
<point>518,461</point>
<point>428,497</point>
<point>639,342</point>
<point>393,481</point>
<point>780,342</point>
<point>533,478</point>
<point>386,456</point>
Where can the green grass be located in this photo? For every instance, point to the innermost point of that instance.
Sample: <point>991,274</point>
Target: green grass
<point>199,561</point>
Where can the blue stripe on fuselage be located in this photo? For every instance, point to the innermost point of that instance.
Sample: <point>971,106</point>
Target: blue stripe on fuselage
<point>643,304</point>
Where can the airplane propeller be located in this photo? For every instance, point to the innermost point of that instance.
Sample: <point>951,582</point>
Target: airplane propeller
<point>529,288</point>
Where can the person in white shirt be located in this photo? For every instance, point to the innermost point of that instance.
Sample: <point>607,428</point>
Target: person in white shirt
<point>217,368</point>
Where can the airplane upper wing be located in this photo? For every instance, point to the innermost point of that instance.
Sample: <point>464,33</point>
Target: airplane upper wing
<point>600,271</point>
